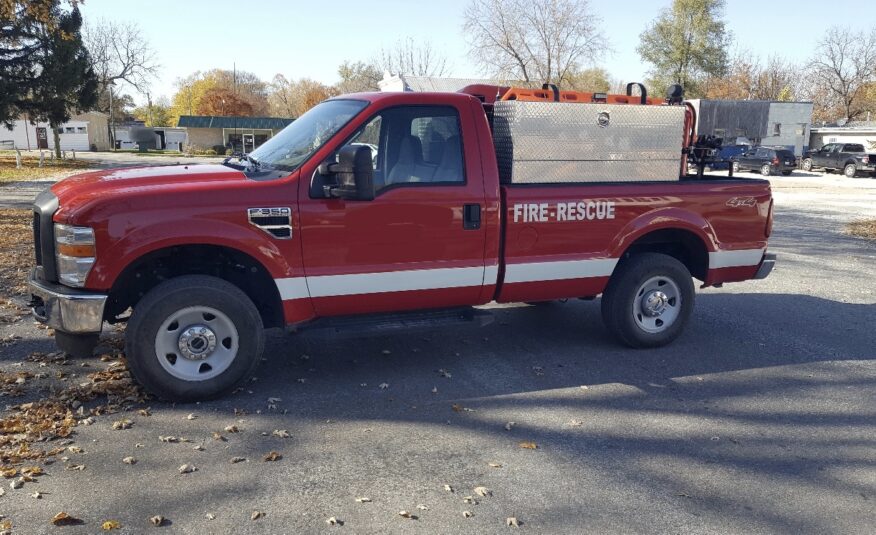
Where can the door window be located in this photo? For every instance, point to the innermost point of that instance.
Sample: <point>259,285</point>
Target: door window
<point>414,145</point>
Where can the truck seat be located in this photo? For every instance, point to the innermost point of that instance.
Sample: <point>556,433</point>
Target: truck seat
<point>410,166</point>
<point>450,168</point>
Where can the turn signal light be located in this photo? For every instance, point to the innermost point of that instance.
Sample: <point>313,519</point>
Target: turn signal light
<point>79,251</point>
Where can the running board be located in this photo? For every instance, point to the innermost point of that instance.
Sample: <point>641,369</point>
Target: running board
<point>383,324</point>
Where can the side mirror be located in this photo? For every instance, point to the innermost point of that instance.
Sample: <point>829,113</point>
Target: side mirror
<point>353,174</point>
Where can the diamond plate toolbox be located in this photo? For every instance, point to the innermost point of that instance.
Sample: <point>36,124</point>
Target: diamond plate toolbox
<point>556,142</point>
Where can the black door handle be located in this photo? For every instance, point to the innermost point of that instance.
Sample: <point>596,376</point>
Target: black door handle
<point>471,216</point>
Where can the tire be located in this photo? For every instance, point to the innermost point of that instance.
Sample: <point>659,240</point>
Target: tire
<point>850,170</point>
<point>807,164</point>
<point>78,346</point>
<point>766,170</point>
<point>634,280</point>
<point>736,167</point>
<point>204,367</point>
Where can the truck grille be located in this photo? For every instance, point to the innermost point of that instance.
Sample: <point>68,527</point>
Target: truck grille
<point>37,243</point>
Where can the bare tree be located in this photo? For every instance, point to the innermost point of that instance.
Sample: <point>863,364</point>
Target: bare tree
<point>842,68</point>
<point>408,57</point>
<point>544,41</point>
<point>120,53</point>
<point>292,98</point>
<point>748,78</point>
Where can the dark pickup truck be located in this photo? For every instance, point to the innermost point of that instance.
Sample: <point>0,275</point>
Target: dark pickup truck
<point>851,158</point>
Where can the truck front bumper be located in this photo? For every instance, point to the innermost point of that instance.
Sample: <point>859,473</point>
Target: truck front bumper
<point>766,266</point>
<point>66,309</point>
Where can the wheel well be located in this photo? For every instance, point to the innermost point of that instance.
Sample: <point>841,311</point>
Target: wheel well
<point>683,245</point>
<point>232,265</point>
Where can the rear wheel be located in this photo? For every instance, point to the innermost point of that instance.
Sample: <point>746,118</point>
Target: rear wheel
<point>193,337</point>
<point>850,170</point>
<point>766,170</point>
<point>807,164</point>
<point>648,300</point>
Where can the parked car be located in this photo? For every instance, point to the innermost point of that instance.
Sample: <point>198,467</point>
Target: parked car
<point>726,154</point>
<point>851,158</point>
<point>766,161</point>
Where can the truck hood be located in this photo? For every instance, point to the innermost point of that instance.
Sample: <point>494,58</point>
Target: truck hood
<point>100,184</point>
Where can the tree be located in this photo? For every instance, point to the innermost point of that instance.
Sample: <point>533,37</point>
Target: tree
<point>48,66</point>
<point>747,78</point>
<point>294,98</point>
<point>120,53</point>
<point>593,80</point>
<point>246,86</point>
<point>843,66</point>
<point>156,113</point>
<point>544,41</point>
<point>358,77</point>
<point>223,102</point>
<point>686,44</point>
<point>408,57</point>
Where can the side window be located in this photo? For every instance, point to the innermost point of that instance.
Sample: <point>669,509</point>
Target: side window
<point>423,146</point>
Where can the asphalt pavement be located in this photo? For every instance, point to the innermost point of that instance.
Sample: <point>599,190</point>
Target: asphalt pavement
<point>761,418</point>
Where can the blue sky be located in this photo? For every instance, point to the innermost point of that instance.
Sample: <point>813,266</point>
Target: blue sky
<point>310,39</point>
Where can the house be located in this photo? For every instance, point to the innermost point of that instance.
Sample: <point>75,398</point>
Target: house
<point>137,136</point>
<point>83,132</point>
<point>240,133</point>
<point>758,122</point>
<point>863,132</point>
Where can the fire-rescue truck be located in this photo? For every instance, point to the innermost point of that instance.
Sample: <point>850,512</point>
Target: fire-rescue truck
<point>398,210</point>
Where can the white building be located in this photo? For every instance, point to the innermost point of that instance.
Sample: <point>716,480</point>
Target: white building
<point>160,138</point>
<point>863,132</point>
<point>83,132</point>
<point>403,82</point>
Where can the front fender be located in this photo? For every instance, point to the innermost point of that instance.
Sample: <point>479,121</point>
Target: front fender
<point>132,239</point>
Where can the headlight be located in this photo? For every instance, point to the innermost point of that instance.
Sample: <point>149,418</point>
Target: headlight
<point>74,251</point>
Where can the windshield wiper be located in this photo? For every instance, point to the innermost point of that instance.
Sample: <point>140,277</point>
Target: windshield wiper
<point>250,162</point>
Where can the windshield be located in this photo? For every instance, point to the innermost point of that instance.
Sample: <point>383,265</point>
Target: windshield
<point>298,141</point>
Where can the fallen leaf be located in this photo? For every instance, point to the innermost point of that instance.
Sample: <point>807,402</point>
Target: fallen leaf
<point>156,520</point>
<point>383,386</point>
<point>529,445</point>
<point>332,521</point>
<point>79,467</point>
<point>495,465</point>
<point>235,460</point>
<point>198,448</point>
<point>575,423</point>
<point>386,352</point>
<point>405,514</point>
<point>187,469</point>
<point>210,516</point>
<point>74,449</point>
<point>16,483</point>
<point>32,471</point>
<point>144,412</point>
<point>456,407</point>
<point>122,424</point>
<point>37,495</point>
<point>168,439</point>
<point>422,507</point>
<point>434,389</point>
<point>363,500</point>
<point>467,514</point>
<point>218,436</point>
<point>129,460</point>
<point>64,519</point>
<point>272,456</point>
<point>256,515</point>
<point>444,373</point>
<point>511,521</point>
<point>470,500</point>
<point>6,526</point>
<point>110,525</point>
<point>483,491</point>
<point>9,472</point>
<point>281,433</point>
<point>191,417</point>
<point>231,429</point>
<point>509,426</point>
<point>448,488</point>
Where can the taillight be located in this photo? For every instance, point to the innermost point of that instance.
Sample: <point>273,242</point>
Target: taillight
<point>776,160</point>
<point>865,160</point>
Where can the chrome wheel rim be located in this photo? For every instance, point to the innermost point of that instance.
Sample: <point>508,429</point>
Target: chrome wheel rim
<point>807,165</point>
<point>765,170</point>
<point>196,343</point>
<point>735,167</point>
<point>850,171</point>
<point>657,304</point>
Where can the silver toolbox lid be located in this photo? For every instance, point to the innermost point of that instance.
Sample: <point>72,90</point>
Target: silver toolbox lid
<point>553,142</point>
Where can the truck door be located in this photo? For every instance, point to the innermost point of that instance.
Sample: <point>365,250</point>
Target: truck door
<point>419,243</point>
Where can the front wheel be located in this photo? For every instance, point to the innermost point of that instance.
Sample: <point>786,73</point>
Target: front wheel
<point>850,170</point>
<point>807,164</point>
<point>193,337</point>
<point>648,300</point>
<point>766,170</point>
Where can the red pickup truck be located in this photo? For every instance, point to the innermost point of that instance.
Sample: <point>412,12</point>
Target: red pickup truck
<point>377,210</point>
